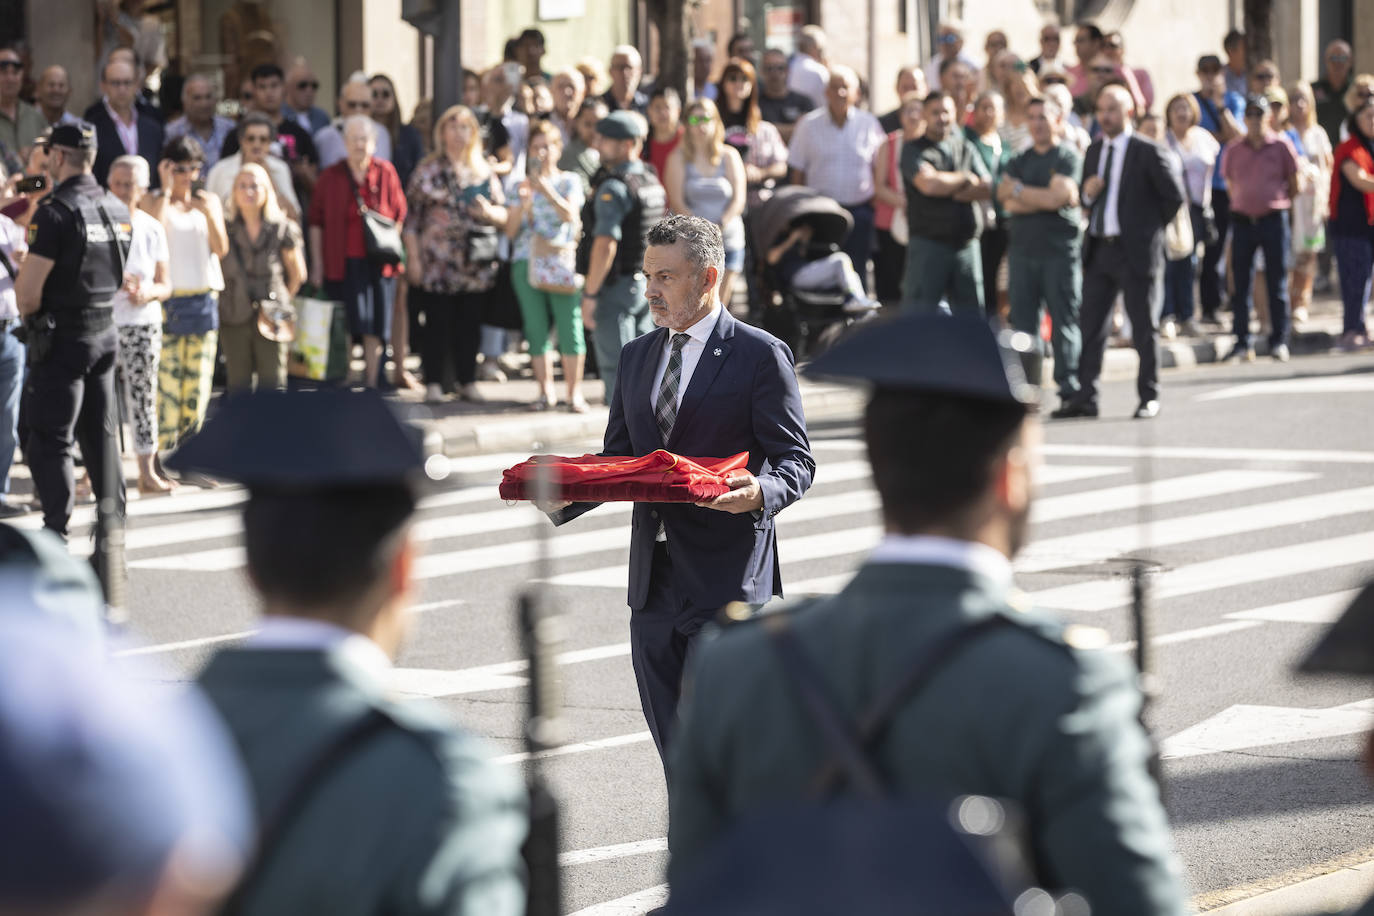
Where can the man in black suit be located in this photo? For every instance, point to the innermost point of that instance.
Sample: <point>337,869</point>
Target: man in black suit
<point>701,384</point>
<point>120,128</point>
<point>1131,190</point>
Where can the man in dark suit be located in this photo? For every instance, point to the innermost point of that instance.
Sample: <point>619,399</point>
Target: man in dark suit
<point>702,385</point>
<point>120,128</point>
<point>1131,189</point>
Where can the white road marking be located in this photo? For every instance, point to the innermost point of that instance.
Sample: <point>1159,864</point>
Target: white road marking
<point>1214,575</point>
<point>1169,639</point>
<point>580,747</point>
<point>1101,544</point>
<point>1319,609</point>
<point>1203,453</point>
<point>437,682</point>
<point>221,498</point>
<point>1241,727</point>
<point>617,851</point>
<point>635,904</point>
<point>183,644</point>
<point>1325,384</point>
<point>840,542</point>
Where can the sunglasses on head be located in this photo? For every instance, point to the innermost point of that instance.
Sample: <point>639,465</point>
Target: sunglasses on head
<point>308,84</point>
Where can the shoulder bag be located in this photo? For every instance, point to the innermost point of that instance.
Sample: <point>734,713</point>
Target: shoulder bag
<point>276,320</point>
<point>553,266</point>
<point>484,242</point>
<point>381,234</point>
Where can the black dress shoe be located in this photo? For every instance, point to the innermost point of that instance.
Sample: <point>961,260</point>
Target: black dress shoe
<point>1070,410</point>
<point>1146,410</point>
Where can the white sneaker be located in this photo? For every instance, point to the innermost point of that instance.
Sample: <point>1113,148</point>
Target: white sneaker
<point>490,371</point>
<point>1300,315</point>
<point>1280,353</point>
<point>1168,330</point>
<point>433,394</point>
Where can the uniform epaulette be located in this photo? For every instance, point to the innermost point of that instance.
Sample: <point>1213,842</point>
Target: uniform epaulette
<point>738,613</point>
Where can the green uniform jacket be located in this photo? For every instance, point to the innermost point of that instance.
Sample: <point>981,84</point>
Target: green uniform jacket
<point>1017,714</point>
<point>417,820</point>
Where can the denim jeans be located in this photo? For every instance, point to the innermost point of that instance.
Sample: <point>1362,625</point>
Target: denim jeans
<point>1270,235</point>
<point>1354,265</point>
<point>12,354</point>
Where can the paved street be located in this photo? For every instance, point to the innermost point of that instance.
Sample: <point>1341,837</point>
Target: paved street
<point>1258,525</point>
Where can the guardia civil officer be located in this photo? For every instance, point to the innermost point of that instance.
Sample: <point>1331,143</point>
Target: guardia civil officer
<point>78,242</point>
<point>368,805</point>
<point>627,199</point>
<point>1014,711</point>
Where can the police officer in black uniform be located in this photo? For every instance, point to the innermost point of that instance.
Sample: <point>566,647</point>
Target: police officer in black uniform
<point>78,243</point>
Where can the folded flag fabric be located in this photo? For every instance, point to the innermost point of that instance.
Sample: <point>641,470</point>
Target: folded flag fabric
<point>658,477</point>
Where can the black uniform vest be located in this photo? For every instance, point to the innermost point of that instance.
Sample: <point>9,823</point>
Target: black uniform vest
<point>103,235</point>
<point>648,205</point>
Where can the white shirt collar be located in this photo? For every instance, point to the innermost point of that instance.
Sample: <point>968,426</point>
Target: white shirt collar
<point>705,325</point>
<point>298,633</point>
<point>939,551</point>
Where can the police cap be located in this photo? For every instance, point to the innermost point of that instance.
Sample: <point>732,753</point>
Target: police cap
<point>305,440</point>
<point>106,777</point>
<point>937,353</point>
<point>1348,646</point>
<point>622,125</point>
<point>77,135</point>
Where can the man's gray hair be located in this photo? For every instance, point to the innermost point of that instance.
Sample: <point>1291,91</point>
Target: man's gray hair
<point>136,165</point>
<point>700,237</point>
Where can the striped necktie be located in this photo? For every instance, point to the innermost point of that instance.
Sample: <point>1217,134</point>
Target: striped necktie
<point>665,410</point>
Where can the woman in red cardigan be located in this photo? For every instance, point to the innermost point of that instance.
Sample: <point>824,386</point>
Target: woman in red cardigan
<point>338,254</point>
<point>1351,224</point>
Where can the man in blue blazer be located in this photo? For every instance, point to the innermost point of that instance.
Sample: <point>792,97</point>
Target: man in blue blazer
<point>120,88</point>
<point>701,385</point>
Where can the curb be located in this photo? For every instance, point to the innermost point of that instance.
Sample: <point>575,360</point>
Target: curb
<point>1337,886</point>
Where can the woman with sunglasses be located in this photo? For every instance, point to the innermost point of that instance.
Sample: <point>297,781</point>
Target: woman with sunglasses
<point>757,141</point>
<point>705,177</point>
<point>407,146</point>
<point>196,240</point>
<point>1351,225</point>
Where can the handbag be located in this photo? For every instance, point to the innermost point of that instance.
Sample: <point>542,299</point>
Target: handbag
<point>321,348</point>
<point>381,234</point>
<point>484,242</point>
<point>1178,235</point>
<point>553,266</point>
<point>276,320</point>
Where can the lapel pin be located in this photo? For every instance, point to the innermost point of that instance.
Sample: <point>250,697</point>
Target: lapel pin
<point>716,352</point>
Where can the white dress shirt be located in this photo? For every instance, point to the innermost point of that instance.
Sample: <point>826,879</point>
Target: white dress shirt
<point>972,556</point>
<point>1111,215</point>
<point>838,161</point>
<point>809,77</point>
<point>128,130</point>
<point>698,334</point>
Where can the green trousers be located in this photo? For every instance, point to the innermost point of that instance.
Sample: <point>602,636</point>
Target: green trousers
<point>536,306</point>
<point>936,271</point>
<point>1055,283</point>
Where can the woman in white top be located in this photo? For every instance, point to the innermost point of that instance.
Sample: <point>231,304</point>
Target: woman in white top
<point>138,316</point>
<point>1197,151</point>
<point>196,240</point>
<point>705,177</point>
<point>1312,205</point>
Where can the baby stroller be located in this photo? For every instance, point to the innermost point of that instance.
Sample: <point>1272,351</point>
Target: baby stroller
<point>807,320</point>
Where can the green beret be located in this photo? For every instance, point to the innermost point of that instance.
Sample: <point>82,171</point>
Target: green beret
<point>623,125</point>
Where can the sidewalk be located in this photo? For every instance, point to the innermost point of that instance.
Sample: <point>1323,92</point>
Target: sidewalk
<point>1332,887</point>
<point>505,421</point>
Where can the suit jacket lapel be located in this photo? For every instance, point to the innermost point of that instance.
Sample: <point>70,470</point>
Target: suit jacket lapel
<point>713,357</point>
<point>639,410</point>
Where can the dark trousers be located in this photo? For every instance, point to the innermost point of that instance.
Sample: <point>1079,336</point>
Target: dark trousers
<point>1212,279</point>
<point>859,245</point>
<point>452,335</point>
<point>889,263</point>
<point>661,637</point>
<point>71,398</point>
<point>1179,276</point>
<point>1354,266</point>
<point>1270,235</point>
<point>1056,284</point>
<point>1107,273</point>
<point>992,247</point>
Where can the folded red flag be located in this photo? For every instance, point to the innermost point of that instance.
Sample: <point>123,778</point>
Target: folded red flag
<point>658,477</point>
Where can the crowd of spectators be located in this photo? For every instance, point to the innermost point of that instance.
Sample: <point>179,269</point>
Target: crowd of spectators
<point>928,186</point>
